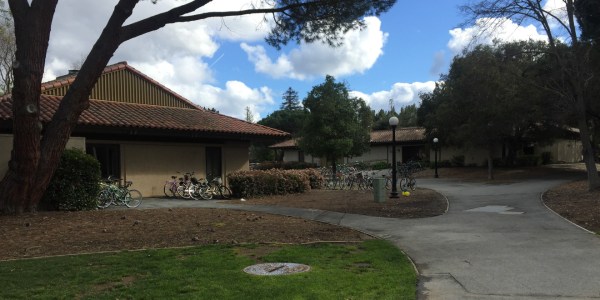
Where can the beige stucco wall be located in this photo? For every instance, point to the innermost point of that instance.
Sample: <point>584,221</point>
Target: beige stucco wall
<point>472,156</point>
<point>291,155</point>
<point>377,153</point>
<point>6,142</point>
<point>149,165</point>
<point>235,157</point>
<point>568,151</point>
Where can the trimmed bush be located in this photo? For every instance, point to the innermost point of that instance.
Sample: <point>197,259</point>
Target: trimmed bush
<point>381,165</point>
<point>528,160</point>
<point>546,158</point>
<point>289,165</point>
<point>458,161</point>
<point>75,183</point>
<point>273,182</point>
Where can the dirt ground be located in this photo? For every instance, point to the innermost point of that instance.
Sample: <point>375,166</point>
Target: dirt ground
<point>574,202</point>
<point>59,233</point>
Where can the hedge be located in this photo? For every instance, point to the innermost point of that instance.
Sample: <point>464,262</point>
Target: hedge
<point>273,182</point>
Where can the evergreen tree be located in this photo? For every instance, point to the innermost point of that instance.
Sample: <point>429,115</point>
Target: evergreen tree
<point>290,100</point>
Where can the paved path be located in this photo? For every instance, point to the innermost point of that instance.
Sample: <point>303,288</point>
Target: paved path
<point>495,242</point>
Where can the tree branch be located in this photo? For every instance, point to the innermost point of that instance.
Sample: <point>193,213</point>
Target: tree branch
<point>175,15</point>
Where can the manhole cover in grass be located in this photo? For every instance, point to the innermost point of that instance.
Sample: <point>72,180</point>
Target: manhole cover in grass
<point>276,269</point>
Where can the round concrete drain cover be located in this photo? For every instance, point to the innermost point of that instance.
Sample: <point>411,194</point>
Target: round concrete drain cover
<point>276,269</point>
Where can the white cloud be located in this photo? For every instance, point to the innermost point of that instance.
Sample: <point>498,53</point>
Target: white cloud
<point>558,10</point>
<point>359,52</point>
<point>401,93</point>
<point>481,33</point>
<point>234,98</point>
<point>176,55</point>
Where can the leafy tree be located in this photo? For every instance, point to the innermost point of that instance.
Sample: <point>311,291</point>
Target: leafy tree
<point>588,17</point>
<point>7,50</point>
<point>338,126</point>
<point>249,115</point>
<point>290,121</point>
<point>406,118</point>
<point>485,102</point>
<point>35,157</point>
<point>290,100</point>
<point>574,64</point>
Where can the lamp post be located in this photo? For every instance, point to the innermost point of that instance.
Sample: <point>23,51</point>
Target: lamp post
<point>435,147</point>
<point>393,123</point>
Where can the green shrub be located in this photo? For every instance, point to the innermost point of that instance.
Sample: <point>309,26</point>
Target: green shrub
<point>75,183</point>
<point>288,165</point>
<point>443,164</point>
<point>458,161</point>
<point>273,182</point>
<point>361,165</point>
<point>528,160</point>
<point>546,158</point>
<point>381,165</point>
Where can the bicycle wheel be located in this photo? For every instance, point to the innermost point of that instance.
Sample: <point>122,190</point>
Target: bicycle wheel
<point>404,184</point>
<point>170,190</point>
<point>104,199</point>
<point>412,183</point>
<point>225,192</point>
<point>207,192</point>
<point>133,198</point>
<point>194,191</point>
<point>184,191</point>
<point>180,191</point>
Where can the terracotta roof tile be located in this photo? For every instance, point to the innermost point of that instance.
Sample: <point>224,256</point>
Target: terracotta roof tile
<point>403,135</point>
<point>118,114</point>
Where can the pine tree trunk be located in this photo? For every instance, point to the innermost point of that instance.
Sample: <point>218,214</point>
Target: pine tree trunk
<point>34,159</point>
<point>32,32</point>
<point>490,165</point>
<point>586,143</point>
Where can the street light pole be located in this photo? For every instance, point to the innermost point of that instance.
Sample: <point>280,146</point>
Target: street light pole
<point>393,123</point>
<point>435,147</point>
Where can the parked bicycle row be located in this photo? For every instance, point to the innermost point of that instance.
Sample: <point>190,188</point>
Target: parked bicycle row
<point>190,187</point>
<point>112,192</point>
<point>349,178</point>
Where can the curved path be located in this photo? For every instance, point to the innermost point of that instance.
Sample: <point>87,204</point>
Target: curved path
<point>495,242</point>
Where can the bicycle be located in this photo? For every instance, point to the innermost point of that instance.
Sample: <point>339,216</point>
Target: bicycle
<point>171,186</point>
<point>113,193</point>
<point>214,188</point>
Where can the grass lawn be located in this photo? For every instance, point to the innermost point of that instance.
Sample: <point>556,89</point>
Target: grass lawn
<point>372,269</point>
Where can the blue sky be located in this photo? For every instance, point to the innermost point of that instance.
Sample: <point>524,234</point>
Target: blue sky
<point>225,64</point>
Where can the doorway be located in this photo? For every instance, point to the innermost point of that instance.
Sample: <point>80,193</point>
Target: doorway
<point>109,156</point>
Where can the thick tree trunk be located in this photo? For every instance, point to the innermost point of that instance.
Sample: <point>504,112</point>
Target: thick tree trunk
<point>34,159</point>
<point>32,32</point>
<point>586,143</point>
<point>490,173</point>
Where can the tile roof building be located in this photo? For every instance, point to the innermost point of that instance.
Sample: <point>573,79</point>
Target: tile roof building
<point>142,131</point>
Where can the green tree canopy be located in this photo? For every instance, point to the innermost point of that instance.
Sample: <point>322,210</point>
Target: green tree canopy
<point>338,126</point>
<point>290,121</point>
<point>485,102</point>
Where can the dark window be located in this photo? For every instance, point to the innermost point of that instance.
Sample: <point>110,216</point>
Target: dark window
<point>301,156</point>
<point>411,153</point>
<point>529,149</point>
<point>109,156</point>
<point>213,162</point>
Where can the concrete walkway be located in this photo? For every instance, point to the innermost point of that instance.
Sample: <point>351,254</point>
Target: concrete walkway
<point>495,242</point>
